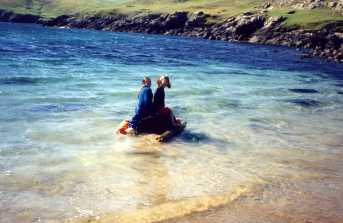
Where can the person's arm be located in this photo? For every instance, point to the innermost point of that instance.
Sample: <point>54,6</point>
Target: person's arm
<point>148,102</point>
<point>145,99</point>
<point>163,96</point>
<point>141,101</point>
<point>158,98</point>
<point>136,117</point>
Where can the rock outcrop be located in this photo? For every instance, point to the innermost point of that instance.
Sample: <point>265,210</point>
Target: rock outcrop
<point>7,16</point>
<point>336,5</point>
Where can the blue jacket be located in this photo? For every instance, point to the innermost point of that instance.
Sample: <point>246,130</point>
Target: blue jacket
<point>143,107</point>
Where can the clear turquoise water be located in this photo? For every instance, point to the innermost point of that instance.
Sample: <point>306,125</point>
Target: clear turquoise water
<point>63,92</point>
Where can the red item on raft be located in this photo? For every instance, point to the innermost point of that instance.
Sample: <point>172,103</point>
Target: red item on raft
<point>165,111</point>
<point>123,126</point>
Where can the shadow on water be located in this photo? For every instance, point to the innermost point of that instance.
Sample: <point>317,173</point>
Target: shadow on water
<point>189,136</point>
<point>11,49</point>
<point>305,102</point>
<point>20,80</point>
<point>145,145</point>
<point>150,153</point>
<point>258,124</point>
<point>67,107</point>
<point>303,90</point>
<point>193,137</point>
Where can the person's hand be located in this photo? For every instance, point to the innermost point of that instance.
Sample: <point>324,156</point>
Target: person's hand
<point>130,131</point>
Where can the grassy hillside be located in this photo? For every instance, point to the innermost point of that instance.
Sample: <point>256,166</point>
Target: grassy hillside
<point>53,8</point>
<point>214,7</point>
<point>221,8</point>
<point>314,18</point>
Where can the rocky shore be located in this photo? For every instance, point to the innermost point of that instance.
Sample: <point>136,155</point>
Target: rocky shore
<point>7,16</point>
<point>255,27</point>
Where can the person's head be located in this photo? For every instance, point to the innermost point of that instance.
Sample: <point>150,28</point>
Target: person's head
<point>164,81</point>
<point>146,81</point>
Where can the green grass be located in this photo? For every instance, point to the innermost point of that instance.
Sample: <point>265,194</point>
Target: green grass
<point>220,8</point>
<point>214,7</point>
<point>50,8</point>
<point>307,18</point>
<point>53,8</point>
<point>19,6</point>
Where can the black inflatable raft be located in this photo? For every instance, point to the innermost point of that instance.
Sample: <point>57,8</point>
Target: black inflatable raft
<point>161,127</point>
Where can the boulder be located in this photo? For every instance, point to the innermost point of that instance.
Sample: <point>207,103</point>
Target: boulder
<point>267,5</point>
<point>175,20</point>
<point>7,16</point>
<point>197,19</point>
<point>24,18</point>
<point>339,6</point>
<point>247,25</point>
<point>332,4</point>
<point>333,41</point>
<point>58,21</point>
<point>4,15</point>
<point>274,21</point>
<point>248,13</point>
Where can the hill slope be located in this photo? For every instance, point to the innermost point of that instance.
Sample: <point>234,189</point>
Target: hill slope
<point>309,13</point>
<point>53,8</point>
<point>59,7</point>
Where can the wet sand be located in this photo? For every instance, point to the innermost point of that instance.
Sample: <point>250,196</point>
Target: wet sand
<point>253,211</point>
<point>283,203</point>
<point>298,199</point>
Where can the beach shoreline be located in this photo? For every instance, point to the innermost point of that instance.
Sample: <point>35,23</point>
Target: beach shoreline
<point>266,202</point>
<point>247,207</point>
<point>262,201</point>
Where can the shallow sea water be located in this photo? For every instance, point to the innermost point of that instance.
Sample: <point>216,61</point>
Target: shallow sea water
<point>258,117</point>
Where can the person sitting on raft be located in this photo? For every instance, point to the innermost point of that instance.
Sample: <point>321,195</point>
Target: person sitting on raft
<point>159,101</point>
<point>143,109</point>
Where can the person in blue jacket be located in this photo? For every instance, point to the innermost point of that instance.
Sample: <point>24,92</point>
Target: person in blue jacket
<point>144,105</point>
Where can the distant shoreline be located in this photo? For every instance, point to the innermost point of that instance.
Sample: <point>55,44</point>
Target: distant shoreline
<point>253,27</point>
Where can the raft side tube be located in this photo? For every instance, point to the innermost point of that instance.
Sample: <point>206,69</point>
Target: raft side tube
<point>169,134</point>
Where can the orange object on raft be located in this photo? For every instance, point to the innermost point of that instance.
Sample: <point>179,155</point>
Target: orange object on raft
<point>123,126</point>
<point>154,125</point>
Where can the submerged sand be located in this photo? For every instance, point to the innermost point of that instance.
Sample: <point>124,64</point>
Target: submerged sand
<point>297,199</point>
